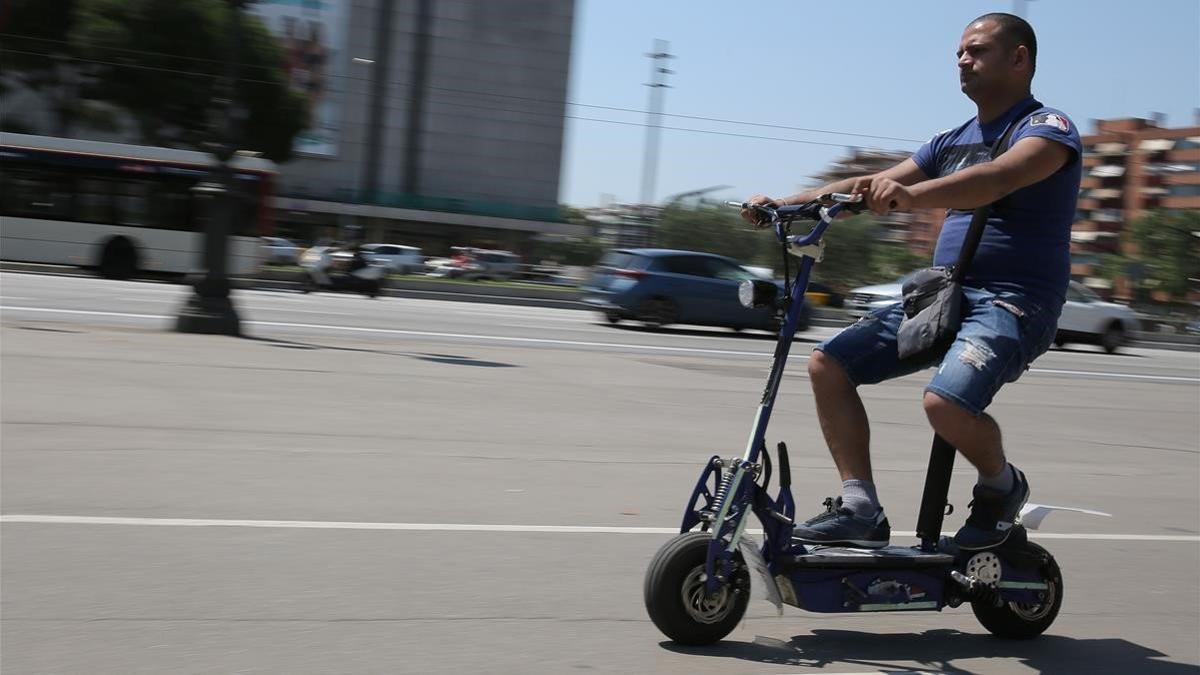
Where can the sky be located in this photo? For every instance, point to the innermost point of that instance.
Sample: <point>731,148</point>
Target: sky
<point>872,67</point>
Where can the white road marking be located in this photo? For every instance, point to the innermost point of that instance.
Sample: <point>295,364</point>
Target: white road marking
<point>413,333</point>
<point>476,527</point>
<point>568,343</point>
<point>1132,376</point>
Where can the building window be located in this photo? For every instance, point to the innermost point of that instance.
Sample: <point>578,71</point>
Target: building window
<point>1184,190</point>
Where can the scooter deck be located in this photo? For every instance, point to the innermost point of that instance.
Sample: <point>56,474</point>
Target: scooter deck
<point>891,557</point>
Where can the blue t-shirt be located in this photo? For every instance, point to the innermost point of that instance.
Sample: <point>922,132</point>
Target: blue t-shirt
<point>1026,246</point>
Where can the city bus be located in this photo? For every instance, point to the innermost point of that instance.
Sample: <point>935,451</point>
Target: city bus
<point>121,209</point>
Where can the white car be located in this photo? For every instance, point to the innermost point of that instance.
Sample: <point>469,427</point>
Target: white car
<point>1088,318</point>
<point>398,258</point>
<point>279,251</point>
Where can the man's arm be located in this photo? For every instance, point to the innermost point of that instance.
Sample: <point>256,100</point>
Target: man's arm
<point>904,173</point>
<point>1030,160</point>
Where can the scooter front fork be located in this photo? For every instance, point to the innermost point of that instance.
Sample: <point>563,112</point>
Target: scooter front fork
<point>722,500</point>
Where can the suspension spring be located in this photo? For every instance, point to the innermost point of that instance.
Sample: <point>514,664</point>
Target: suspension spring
<point>723,487</point>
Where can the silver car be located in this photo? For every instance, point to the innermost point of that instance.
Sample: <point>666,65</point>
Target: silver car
<point>864,299</point>
<point>1086,317</point>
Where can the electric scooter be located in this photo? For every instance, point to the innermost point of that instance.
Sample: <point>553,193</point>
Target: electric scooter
<point>698,584</point>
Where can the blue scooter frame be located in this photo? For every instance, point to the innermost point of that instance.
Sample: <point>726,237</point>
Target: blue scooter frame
<point>697,586</point>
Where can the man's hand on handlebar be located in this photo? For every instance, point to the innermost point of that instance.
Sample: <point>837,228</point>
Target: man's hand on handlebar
<point>883,195</point>
<point>756,217</point>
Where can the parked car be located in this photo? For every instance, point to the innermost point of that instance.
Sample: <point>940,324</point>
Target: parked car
<point>399,259</point>
<point>475,263</point>
<point>660,287</point>
<point>279,251</point>
<point>495,265</point>
<point>1086,317</point>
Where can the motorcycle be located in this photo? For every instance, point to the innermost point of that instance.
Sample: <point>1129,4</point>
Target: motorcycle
<point>328,268</point>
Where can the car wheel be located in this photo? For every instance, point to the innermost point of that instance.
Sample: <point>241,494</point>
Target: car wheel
<point>612,317</point>
<point>1059,342</point>
<point>659,312</point>
<point>1112,338</point>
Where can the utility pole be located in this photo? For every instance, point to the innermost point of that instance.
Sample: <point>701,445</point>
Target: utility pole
<point>1019,8</point>
<point>209,309</point>
<point>658,73</point>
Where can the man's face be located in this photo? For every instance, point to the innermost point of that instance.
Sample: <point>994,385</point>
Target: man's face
<point>984,61</point>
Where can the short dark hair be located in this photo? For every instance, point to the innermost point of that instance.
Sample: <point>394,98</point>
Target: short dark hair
<point>1015,32</point>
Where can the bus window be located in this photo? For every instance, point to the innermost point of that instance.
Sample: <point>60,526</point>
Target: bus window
<point>33,194</point>
<point>95,202</point>
<point>173,207</point>
<point>132,202</point>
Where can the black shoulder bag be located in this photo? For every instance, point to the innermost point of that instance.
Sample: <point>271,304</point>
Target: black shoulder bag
<point>933,297</point>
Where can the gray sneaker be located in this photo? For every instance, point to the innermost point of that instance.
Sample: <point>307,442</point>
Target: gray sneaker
<point>839,526</point>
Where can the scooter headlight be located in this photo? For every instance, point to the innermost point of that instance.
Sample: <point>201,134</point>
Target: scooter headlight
<point>757,293</point>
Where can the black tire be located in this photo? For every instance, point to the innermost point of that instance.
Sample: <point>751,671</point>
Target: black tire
<point>675,575</point>
<point>1015,621</point>
<point>1112,338</point>
<point>118,259</point>
<point>612,317</point>
<point>1059,342</point>
<point>659,312</point>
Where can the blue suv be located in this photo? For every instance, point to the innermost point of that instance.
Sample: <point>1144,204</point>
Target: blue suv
<point>662,286</point>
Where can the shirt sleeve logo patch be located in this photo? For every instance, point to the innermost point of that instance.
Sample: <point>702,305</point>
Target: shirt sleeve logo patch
<point>1050,119</point>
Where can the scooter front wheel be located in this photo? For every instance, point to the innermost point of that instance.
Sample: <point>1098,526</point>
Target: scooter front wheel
<point>1021,621</point>
<point>676,598</point>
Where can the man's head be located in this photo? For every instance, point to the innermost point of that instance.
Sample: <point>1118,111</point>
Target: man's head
<point>997,55</point>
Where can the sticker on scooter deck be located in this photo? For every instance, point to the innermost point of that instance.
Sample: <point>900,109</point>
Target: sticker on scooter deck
<point>754,559</point>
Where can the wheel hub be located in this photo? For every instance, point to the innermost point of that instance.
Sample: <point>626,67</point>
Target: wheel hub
<point>701,606</point>
<point>1032,611</point>
<point>985,567</point>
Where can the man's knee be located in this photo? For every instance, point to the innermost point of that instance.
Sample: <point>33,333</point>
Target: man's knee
<point>824,371</point>
<point>942,411</point>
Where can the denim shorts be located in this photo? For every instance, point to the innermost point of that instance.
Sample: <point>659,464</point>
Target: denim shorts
<point>1000,336</point>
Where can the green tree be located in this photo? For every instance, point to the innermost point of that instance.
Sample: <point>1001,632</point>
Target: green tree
<point>38,56</point>
<point>161,62</point>
<point>716,230</point>
<point>855,254</point>
<point>1168,244</point>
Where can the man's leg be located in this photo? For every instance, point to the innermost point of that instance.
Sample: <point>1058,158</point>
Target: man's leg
<point>997,341</point>
<point>977,438</point>
<point>864,353</point>
<point>843,418</point>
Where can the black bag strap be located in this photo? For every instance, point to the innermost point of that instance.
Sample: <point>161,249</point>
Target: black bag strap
<point>979,218</point>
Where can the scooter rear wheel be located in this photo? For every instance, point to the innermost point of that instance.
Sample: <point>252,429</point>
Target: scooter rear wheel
<point>675,595</point>
<point>1021,621</point>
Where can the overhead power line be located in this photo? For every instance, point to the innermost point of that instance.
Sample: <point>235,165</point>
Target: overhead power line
<point>453,90</point>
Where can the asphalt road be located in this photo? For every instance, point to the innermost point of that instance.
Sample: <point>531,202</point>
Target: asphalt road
<point>424,486</point>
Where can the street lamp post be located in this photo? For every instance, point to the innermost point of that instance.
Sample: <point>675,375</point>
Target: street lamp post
<point>209,309</point>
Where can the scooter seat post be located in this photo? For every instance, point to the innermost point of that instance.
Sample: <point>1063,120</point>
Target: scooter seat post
<point>937,488</point>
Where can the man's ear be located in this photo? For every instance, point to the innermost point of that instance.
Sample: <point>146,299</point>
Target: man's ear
<point>1021,57</point>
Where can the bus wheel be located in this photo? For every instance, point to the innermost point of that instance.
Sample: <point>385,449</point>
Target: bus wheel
<point>119,260</point>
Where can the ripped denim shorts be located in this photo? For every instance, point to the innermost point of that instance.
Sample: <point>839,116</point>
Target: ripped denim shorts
<point>1000,336</point>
